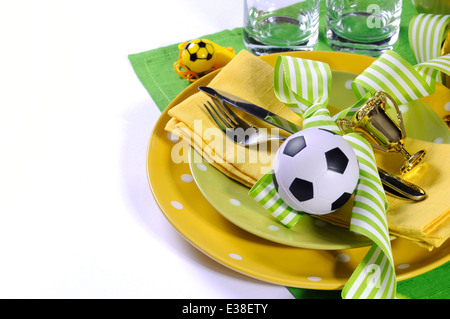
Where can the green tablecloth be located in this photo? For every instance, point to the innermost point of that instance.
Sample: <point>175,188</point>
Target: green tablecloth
<point>154,69</point>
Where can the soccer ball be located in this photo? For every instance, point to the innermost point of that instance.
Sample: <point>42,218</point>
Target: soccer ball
<point>315,171</point>
<point>198,55</point>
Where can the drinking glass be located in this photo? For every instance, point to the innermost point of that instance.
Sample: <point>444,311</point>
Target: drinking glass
<point>367,27</point>
<point>280,25</point>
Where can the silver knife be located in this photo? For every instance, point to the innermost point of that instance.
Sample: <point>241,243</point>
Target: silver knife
<point>392,184</point>
<point>250,108</point>
<point>398,187</point>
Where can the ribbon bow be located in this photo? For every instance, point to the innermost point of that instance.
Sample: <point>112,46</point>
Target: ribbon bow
<point>303,85</point>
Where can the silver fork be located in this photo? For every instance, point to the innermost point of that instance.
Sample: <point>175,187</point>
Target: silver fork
<point>236,128</point>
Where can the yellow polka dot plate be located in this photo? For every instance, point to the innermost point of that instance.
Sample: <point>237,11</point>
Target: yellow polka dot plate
<point>202,225</point>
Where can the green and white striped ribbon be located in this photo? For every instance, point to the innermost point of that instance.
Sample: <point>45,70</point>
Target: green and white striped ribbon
<point>266,195</point>
<point>303,85</point>
<point>292,81</point>
<point>375,276</point>
<point>426,34</point>
<point>369,208</point>
<point>394,75</point>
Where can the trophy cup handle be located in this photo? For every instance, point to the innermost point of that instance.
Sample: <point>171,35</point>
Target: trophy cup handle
<point>344,125</point>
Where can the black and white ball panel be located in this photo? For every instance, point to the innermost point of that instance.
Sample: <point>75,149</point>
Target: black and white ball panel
<point>315,171</point>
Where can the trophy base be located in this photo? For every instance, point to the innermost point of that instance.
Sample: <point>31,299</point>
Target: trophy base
<point>413,161</point>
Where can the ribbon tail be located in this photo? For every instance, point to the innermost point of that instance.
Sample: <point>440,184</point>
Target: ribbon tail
<point>265,193</point>
<point>375,276</point>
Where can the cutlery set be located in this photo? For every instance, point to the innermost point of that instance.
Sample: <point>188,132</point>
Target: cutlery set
<point>243,133</point>
<point>234,127</point>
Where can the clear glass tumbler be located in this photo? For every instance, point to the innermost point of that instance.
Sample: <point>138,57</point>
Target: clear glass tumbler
<point>280,25</point>
<point>367,27</point>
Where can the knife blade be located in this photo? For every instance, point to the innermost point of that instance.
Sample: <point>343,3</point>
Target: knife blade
<point>250,108</point>
<point>392,184</point>
<point>401,188</point>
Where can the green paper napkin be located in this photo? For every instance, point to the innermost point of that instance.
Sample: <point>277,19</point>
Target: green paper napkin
<point>155,71</point>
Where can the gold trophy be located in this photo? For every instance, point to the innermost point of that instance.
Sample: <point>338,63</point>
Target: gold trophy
<point>384,134</point>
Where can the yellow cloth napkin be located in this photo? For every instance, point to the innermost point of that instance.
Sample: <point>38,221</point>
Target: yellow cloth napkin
<point>426,222</point>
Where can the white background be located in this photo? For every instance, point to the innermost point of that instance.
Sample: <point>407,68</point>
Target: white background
<point>77,218</point>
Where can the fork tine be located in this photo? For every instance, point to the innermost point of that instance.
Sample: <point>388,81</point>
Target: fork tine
<point>218,122</point>
<point>216,116</point>
<point>230,113</point>
<point>224,118</point>
<point>226,128</point>
<point>235,128</point>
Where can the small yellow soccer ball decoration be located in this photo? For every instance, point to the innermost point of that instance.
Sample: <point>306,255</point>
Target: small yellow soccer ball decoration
<point>201,56</point>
